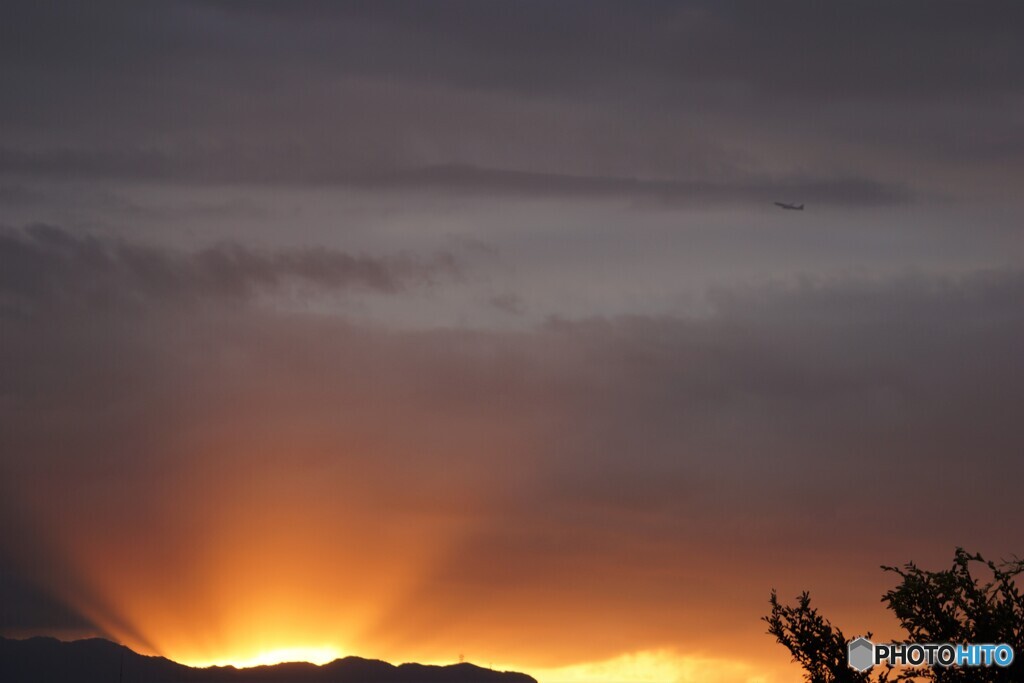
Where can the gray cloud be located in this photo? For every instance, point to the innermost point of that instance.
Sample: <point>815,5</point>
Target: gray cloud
<point>549,99</point>
<point>871,49</point>
<point>45,266</point>
<point>457,179</point>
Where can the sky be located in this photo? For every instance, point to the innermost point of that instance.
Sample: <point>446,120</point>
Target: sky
<point>422,331</point>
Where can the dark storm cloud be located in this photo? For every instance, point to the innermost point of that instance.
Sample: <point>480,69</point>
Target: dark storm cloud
<point>46,266</point>
<point>532,94</point>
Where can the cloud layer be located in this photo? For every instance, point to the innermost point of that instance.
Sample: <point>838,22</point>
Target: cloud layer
<point>44,266</point>
<point>256,468</point>
<point>584,96</point>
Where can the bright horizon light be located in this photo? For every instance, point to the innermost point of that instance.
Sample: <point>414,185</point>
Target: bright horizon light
<point>318,655</point>
<point>639,667</point>
<point>657,666</point>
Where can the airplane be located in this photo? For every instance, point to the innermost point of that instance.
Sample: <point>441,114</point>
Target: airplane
<point>791,207</point>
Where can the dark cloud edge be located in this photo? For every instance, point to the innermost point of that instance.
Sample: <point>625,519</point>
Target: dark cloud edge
<point>46,265</point>
<point>76,164</point>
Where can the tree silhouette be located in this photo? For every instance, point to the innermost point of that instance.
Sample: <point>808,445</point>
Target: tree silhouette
<point>815,644</point>
<point>949,606</point>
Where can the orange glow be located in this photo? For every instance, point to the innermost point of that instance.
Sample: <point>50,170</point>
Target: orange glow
<point>270,529</point>
<point>659,666</point>
<point>315,655</point>
<point>271,558</point>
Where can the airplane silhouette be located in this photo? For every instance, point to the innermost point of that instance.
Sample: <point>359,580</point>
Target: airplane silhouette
<point>791,207</point>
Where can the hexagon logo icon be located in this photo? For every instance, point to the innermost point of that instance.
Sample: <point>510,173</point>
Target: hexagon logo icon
<point>860,654</point>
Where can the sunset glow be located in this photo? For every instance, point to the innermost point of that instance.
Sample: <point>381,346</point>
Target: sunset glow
<point>552,337</point>
<point>314,655</point>
<point>655,666</point>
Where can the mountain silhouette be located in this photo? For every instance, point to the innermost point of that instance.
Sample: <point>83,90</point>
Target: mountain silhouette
<point>47,660</point>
